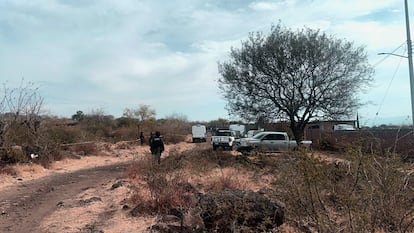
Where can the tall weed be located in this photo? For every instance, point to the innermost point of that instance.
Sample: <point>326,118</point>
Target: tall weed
<point>160,190</point>
<point>361,193</point>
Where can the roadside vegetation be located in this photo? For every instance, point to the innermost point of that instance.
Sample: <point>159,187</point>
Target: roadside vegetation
<point>27,134</point>
<point>358,192</point>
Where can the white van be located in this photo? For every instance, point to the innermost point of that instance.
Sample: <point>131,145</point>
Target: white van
<point>199,133</point>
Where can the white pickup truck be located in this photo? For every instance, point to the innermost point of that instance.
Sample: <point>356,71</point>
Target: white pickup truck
<point>269,142</point>
<point>223,138</point>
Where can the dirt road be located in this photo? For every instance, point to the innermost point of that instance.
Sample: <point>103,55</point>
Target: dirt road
<point>75,195</point>
<point>25,206</point>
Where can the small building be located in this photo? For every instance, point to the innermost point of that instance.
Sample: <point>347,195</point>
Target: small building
<point>317,130</point>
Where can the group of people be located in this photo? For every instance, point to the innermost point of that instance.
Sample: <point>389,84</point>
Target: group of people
<point>156,144</point>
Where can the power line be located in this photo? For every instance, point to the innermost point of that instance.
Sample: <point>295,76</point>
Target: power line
<point>392,78</point>
<point>389,54</point>
<point>388,87</point>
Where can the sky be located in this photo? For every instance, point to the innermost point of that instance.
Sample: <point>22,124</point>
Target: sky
<point>109,55</point>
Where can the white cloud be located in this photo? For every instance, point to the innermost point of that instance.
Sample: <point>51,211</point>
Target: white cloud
<point>115,54</point>
<point>267,5</point>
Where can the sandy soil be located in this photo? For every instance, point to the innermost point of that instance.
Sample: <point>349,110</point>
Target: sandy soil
<point>74,195</point>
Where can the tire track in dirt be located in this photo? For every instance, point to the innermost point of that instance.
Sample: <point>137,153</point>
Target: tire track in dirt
<point>24,206</point>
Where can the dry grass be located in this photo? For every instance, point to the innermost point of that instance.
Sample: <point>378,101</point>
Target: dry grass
<point>348,192</point>
<point>356,193</point>
<point>34,170</point>
<point>169,185</point>
<point>24,169</point>
<point>159,189</point>
<point>225,178</point>
<point>89,148</point>
<point>8,170</point>
<point>360,193</point>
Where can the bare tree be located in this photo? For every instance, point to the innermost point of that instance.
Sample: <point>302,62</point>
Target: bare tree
<point>141,115</point>
<point>294,75</point>
<point>20,110</point>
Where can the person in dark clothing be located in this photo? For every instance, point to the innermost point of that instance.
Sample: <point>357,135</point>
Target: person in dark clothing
<point>142,138</point>
<point>150,141</point>
<point>157,146</point>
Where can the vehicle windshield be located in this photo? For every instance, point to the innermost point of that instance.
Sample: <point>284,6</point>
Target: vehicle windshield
<point>259,135</point>
<point>224,133</point>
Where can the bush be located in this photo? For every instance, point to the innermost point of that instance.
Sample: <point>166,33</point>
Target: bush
<point>174,138</point>
<point>87,148</point>
<point>125,133</point>
<point>364,193</point>
<point>165,186</point>
<point>160,191</point>
<point>13,155</point>
<point>174,128</point>
<point>226,180</point>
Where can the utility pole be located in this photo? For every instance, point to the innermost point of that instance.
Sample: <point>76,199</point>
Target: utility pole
<point>410,59</point>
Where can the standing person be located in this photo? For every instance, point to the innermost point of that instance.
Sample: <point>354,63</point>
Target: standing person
<point>142,138</point>
<point>157,146</point>
<point>150,141</point>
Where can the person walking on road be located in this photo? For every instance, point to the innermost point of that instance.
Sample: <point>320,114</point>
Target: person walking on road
<point>157,146</point>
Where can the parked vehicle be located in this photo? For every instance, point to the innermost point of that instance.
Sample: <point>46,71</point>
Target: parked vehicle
<point>239,130</point>
<point>253,132</point>
<point>223,138</point>
<point>199,133</point>
<point>269,142</point>
<point>344,127</point>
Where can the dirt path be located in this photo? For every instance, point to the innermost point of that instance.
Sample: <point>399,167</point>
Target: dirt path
<point>25,206</point>
<point>75,198</point>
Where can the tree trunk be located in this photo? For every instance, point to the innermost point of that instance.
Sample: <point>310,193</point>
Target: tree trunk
<point>298,131</point>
